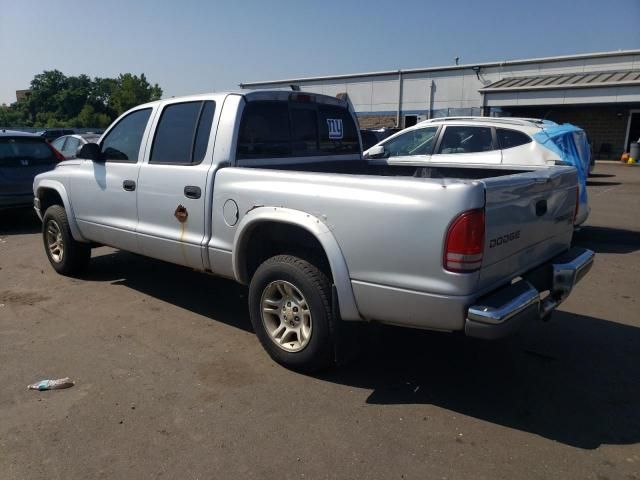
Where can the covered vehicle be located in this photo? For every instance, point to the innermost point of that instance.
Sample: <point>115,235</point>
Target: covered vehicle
<point>571,144</point>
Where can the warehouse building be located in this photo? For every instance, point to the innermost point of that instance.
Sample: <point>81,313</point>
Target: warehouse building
<point>599,92</point>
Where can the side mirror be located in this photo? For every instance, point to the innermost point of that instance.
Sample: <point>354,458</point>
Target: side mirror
<point>377,151</point>
<point>90,151</point>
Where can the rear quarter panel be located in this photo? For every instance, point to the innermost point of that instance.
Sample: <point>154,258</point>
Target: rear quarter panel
<point>390,230</point>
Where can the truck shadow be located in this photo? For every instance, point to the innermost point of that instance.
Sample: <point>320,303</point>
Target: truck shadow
<point>206,295</point>
<point>607,239</point>
<point>573,380</point>
<point>591,183</point>
<point>601,175</point>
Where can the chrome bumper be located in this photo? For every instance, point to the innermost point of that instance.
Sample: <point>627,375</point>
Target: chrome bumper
<point>505,310</point>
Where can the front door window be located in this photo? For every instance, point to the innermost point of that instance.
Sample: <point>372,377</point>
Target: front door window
<point>122,143</point>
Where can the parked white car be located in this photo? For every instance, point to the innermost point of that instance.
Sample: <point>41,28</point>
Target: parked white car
<point>509,143</point>
<point>70,145</point>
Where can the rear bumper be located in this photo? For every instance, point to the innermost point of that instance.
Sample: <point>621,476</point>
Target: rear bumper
<point>503,311</point>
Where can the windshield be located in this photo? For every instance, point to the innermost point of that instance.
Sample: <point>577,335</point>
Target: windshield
<point>413,142</point>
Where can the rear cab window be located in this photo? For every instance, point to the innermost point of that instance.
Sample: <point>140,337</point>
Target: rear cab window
<point>264,131</point>
<point>280,129</point>
<point>338,133</point>
<point>182,134</point>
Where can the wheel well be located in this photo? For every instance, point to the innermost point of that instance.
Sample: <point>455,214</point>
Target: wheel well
<point>268,239</point>
<point>49,197</point>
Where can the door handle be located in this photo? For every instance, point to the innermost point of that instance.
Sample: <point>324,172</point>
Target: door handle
<point>191,191</point>
<point>129,185</point>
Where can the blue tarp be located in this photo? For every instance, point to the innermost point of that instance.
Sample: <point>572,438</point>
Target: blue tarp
<point>570,144</point>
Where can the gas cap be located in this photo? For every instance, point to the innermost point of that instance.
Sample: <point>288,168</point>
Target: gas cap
<point>230,212</point>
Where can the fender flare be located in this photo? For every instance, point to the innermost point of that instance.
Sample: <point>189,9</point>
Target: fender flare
<point>337,263</point>
<point>62,191</point>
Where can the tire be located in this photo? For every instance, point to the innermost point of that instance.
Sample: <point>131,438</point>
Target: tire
<point>66,255</point>
<point>295,329</point>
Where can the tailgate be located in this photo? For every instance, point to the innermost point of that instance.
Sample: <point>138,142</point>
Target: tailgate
<point>529,219</point>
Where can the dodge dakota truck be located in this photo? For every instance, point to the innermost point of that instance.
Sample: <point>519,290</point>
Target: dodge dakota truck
<point>269,188</point>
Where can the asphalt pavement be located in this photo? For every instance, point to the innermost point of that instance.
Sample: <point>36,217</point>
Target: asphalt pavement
<point>172,383</point>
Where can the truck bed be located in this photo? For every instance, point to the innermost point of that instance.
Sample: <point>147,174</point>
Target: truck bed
<point>515,198</point>
<point>364,167</point>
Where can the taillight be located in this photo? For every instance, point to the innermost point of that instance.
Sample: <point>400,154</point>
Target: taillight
<point>58,155</point>
<point>575,211</point>
<point>464,244</point>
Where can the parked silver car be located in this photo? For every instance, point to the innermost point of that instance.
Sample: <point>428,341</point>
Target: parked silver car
<point>70,145</point>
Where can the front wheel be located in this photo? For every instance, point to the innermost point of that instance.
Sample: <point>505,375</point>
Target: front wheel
<point>66,255</point>
<point>289,302</point>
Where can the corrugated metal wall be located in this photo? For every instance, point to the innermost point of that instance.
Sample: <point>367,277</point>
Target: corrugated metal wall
<point>454,91</point>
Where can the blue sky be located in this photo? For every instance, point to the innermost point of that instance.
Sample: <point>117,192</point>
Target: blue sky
<point>199,46</point>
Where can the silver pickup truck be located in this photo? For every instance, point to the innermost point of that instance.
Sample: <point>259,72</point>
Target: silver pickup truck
<point>269,188</point>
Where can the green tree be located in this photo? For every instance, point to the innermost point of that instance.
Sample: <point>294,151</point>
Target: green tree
<point>11,117</point>
<point>88,117</point>
<point>56,100</point>
<point>132,90</point>
<point>44,97</point>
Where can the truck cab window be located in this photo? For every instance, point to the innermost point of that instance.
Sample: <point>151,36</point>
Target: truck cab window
<point>304,129</point>
<point>182,133</point>
<point>204,130</point>
<point>338,132</point>
<point>281,129</point>
<point>122,143</point>
<point>264,131</point>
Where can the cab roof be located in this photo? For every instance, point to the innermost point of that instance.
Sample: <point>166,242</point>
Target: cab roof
<point>256,95</point>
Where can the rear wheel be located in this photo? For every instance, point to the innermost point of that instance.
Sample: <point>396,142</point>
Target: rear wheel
<point>66,255</point>
<point>289,302</point>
